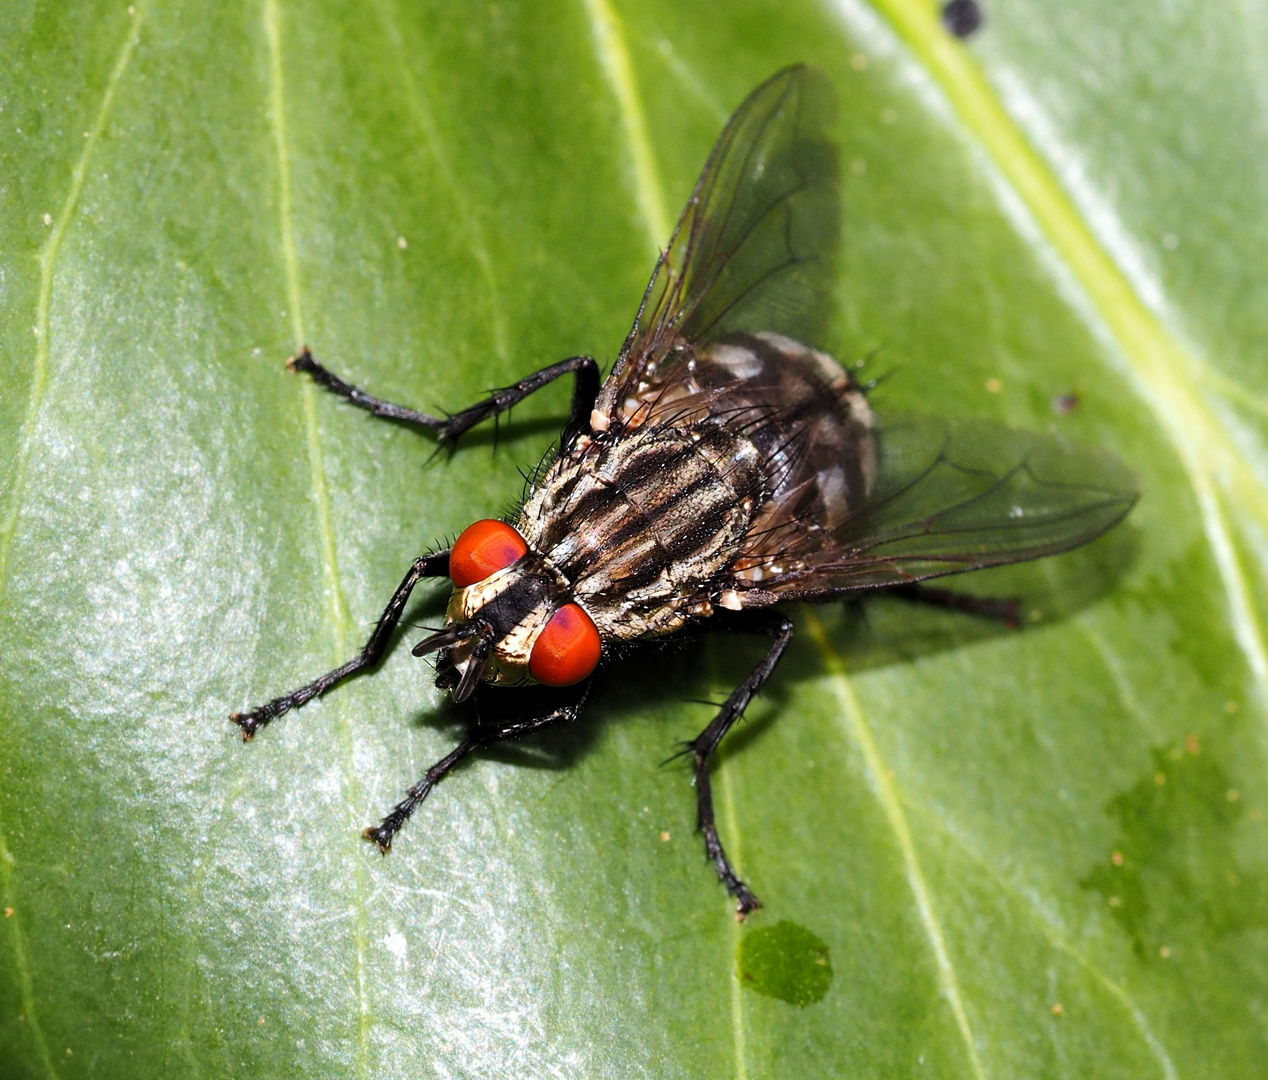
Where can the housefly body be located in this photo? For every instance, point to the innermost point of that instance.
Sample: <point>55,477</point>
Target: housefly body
<point>727,465</point>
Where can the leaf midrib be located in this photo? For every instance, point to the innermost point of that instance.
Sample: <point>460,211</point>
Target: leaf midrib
<point>1167,377</point>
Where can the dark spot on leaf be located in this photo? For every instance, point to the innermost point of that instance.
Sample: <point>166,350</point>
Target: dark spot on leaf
<point>785,961</point>
<point>962,17</point>
<point>1064,404</point>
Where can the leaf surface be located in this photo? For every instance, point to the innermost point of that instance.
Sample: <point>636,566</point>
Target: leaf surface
<point>983,853</point>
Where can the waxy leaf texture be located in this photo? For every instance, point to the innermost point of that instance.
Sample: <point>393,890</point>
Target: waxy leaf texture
<point>984,853</point>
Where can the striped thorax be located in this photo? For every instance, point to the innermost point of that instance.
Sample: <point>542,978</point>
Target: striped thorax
<point>650,521</point>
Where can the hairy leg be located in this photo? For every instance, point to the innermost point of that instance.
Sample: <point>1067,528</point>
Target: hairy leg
<point>585,390</point>
<point>706,743</point>
<point>385,832</point>
<point>424,567</point>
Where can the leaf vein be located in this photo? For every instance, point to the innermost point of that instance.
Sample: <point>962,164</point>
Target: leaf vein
<point>887,795</point>
<point>26,988</point>
<point>1053,934</point>
<point>1166,376</point>
<point>614,59</point>
<point>738,1040</point>
<point>425,120</point>
<point>35,403</point>
<point>330,566</point>
<point>48,262</point>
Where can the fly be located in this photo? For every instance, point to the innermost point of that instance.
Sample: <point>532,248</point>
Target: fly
<point>726,466</point>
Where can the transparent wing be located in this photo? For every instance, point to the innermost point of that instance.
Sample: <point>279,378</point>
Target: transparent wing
<point>948,496</point>
<point>755,248</point>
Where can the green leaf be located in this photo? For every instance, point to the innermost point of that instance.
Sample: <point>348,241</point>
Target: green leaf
<point>1018,854</point>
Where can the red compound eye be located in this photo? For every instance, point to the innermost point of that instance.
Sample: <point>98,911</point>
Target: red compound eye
<point>484,548</point>
<point>567,649</point>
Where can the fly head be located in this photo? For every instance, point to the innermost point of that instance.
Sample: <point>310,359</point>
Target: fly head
<point>512,619</point>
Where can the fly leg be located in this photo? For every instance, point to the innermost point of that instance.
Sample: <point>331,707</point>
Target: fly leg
<point>425,566</point>
<point>702,747</point>
<point>585,390</point>
<point>385,832</point>
<point>1006,609</point>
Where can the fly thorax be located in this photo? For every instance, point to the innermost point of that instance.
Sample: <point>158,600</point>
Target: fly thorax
<point>647,523</point>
